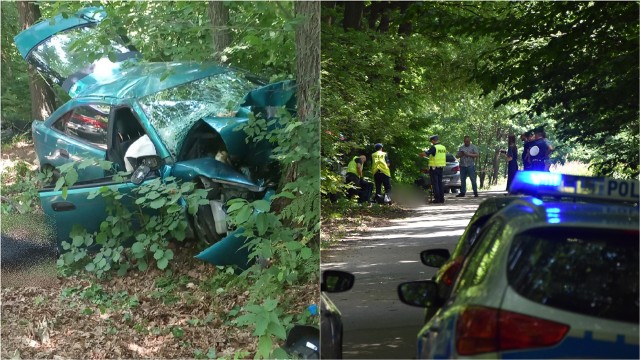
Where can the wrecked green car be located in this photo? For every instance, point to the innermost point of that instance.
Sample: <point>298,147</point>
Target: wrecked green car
<point>179,119</point>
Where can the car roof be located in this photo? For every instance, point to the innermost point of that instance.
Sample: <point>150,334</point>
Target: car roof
<point>143,79</point>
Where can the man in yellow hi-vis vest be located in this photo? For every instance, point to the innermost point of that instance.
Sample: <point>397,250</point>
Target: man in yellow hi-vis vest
<point>381,173</point>
<point>437,154</point>
<point>354,176</point>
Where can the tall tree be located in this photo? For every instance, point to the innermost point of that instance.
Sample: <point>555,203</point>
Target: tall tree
<point>220,34</point>
<point>578,62</point>
<point>42,97</point>
<point>308,59</point>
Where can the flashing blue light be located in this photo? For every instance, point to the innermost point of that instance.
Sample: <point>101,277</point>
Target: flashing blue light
<point>554,210</point>
<point>554,220</point>
<point>536,201</point>
<point>538,178</point>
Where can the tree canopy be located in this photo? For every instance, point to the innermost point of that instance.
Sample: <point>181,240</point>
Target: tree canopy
<point>396,73</point>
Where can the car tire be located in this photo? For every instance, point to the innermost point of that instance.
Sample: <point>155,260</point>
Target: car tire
<point>204,225</point>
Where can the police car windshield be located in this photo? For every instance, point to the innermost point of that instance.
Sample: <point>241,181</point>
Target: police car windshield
<point>587,271</point>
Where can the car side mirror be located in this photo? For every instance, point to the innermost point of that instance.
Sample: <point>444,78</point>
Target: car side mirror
<point>435,257</point>
<point>419,293</point>
<point>336,281</point>
<point>140,174</point>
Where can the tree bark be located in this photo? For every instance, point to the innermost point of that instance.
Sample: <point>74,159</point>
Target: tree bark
<point>43,101</point>
<point>308,59</point>
<point>220,34</point>
<point>352,15</point>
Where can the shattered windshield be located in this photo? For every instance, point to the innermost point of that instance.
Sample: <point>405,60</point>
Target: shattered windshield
<point>172,112</point>
<point>65,54</point>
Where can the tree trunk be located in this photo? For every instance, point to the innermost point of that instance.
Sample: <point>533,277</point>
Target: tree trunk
<point>352,15</point>
<point>327,12</point>
<point>308,67</point>
<point>308,59</point>
<point>43,101</point>
<point>220,34</point>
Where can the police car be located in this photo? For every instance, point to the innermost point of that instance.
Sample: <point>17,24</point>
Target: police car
<point>553,275</point>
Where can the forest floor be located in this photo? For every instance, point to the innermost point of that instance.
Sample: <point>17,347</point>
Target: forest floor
<point>185,313</point>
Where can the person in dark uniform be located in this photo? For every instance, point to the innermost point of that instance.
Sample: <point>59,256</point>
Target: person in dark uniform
<point>527,138</point>
<point>437,154</point>
<point>512,160</point>
<point>539,151</point>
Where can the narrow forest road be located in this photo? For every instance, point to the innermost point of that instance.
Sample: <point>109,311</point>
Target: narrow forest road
<point>376,323</point>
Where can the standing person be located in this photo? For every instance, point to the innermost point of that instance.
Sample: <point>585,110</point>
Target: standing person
<point>361,187</point>
<point>381,173</point>
<point>526,138</point>
<point>512,160</point>
<point>467,155</point>
<point>547,159</point>
<point>437,154</point>
<point>539,151</point>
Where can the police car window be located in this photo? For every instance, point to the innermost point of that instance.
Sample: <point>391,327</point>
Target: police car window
<point>587,271</point>
<point>481,257</point>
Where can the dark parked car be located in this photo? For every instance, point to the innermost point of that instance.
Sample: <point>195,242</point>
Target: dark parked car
<point>187,112</point>
<point>333,281</point>
<point>450,176</point>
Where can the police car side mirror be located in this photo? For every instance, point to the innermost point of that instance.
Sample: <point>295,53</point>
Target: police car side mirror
<point>336,281</point>
<point>419,293</point>
<point>435,257</point>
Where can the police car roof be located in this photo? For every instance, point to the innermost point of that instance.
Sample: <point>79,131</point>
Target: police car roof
<point>572,214</point>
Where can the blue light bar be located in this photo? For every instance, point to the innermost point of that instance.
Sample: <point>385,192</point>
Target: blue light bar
<point>537,183</point>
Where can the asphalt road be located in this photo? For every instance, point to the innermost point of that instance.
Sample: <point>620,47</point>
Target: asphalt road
<point>376,324</point>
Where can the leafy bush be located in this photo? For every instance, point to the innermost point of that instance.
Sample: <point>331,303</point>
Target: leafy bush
<point>130,239</point>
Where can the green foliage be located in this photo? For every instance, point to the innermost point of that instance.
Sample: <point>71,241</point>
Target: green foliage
<point>14,82</point>
<point>20,188</point>
<point>262,32</point>
<point>282,232</point>
<point>578,63</point>
<point>139,226</point>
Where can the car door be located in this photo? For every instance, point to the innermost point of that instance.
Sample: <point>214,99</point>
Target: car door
<point>77,208</point>
<point>78,134</point>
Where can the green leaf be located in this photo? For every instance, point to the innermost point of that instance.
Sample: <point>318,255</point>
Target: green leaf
<point>235,206</point>
<point>64,192</point>
<point>71,177</point>
<point>270,304</point>
<point>264,346</point>
<point>159,254</point>
<point>142,265</point>
<point>168,254</point>
<point>262,205</point>
<point>277,329</point>
<point>157,204</point>
<point>137,247</point>
<point>305,253</point>
<point>163,263</point>
<point>78,241</point>
<point>90,267</point>
<point>243,215</point>
<point>261,223</point>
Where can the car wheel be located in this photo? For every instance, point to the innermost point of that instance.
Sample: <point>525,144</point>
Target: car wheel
<point>204,225</point>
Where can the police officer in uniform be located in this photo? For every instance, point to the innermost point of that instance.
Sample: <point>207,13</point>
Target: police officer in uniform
<point>381,173</point>
<point>538,151</point>
<point>354,177</point>
<point>437,154</point>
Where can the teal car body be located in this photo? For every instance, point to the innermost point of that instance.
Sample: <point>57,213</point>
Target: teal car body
<point>190,112</point>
